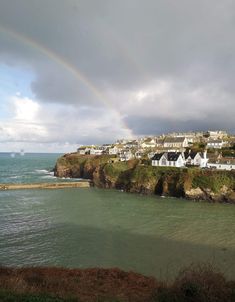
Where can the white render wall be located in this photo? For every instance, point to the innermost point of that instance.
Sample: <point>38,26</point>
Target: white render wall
<point>218,166</point>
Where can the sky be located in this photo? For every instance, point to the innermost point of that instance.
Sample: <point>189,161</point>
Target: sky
<point>93,71</point>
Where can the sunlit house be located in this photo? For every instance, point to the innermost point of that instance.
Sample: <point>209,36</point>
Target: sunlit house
<point>168,159</point>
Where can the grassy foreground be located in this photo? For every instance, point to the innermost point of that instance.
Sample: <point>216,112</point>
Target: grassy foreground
<point>194,284</point>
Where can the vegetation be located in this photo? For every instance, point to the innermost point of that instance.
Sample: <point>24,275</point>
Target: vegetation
<point>214,180</point>
<point>140,177</point>
<point>197,283</point>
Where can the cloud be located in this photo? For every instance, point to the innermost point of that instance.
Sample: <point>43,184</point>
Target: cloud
<point>102,64</point>
<point>53,125</point>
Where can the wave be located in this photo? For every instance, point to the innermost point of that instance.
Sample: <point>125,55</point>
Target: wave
<point>42,171</point>
<point>48,177</point>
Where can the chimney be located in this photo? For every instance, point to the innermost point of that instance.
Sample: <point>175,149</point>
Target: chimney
<point>204,154</point>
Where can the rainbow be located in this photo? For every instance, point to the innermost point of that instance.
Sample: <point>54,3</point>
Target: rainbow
<point>55,57</point>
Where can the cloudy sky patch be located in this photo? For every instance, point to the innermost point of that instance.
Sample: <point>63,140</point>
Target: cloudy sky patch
<point>82,72</point>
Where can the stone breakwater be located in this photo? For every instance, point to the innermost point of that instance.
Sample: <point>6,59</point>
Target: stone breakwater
<point>57,185</point>
<point>138,177</point>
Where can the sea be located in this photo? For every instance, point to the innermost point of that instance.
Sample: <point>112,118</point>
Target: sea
<point>91,227</point>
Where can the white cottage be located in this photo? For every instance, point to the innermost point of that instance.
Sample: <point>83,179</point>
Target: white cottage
<point>196,159</point>
<point>224,163</point>
<point>83,150</point>
<point>113,150</point>
<point>125,155</point>
<point>96,151</point>
<point>168,159</point>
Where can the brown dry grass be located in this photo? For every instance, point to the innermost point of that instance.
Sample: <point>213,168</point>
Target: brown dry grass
<point>86,285</point>
<point>197,283</point>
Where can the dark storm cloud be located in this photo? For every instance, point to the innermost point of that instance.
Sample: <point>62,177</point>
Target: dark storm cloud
<point>123,46</point>
<point>149,125</point>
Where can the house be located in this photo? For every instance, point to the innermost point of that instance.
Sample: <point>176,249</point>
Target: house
<point>165,159</point>
<point>216,134</point>
<point>225,163</point>
<point>113,150</point>
<point>196,159</point>
<point>125,155</point>
<point>215,144</point>
<point>83,150</point>
<point>159,142</point>
<point>139,154</point>
<point>96,151</point>
<point>175,142</point>
<point>131,144</point>
<point>148,143</point>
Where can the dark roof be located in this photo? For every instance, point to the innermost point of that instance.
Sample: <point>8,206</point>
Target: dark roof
<point>192,154</point>
<point>173,156</point>
<point>179,139</point>
<point>157,156</point>
<point>215,141</point>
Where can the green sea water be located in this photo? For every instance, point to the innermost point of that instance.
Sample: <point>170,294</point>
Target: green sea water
<point>107,228</point>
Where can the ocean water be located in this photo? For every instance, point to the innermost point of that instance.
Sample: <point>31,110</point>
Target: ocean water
<point>89,227</point>
<point>30,168</point>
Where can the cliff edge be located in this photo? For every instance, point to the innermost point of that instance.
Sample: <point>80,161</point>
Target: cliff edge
<point>134,176</point>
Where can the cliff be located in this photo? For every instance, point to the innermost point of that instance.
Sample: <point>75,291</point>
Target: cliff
<point>133,176</point>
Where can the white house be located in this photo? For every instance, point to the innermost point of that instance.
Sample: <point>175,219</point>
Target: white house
<point>216,144</point>
<point>174,159</point>
<point>139,154</point>
<point>125,155</point>
<point>196,159</point>
<point>175,142</point>
<point>225,163</point>
<point>113,150</point>
<point>96,151</point>
<point>83,150</point>
<point>219,134</point>
<point>148,143</point>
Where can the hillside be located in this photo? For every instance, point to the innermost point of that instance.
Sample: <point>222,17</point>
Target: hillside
<point>133,176</point>
<point>48,284</point>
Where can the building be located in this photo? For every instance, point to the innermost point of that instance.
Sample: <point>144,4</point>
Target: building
<point>216,134</point>
<point>175,142</point>
<point>125,155</point>
<point>168,159</point>
<point>215,144</point>
<point>96,151</point>
<point>148,143</point>
<point>83,150</point>
<point>113,150</point>
<point>196,159</point>
<point>224,163</point>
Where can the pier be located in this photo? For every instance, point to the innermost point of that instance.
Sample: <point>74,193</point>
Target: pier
<point>48,185</point>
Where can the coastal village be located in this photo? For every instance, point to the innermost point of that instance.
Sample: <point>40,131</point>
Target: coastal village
<point>207,150</point>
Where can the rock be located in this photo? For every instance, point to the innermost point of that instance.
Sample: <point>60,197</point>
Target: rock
<point>195,194</point>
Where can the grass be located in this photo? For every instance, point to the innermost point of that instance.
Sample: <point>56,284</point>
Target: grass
<point>214,180</point>
<point>136,177</point>
<point>196,283</point>
<point>7,296</point>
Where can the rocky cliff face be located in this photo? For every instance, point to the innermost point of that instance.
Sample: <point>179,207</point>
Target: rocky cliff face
<point>132,176</point>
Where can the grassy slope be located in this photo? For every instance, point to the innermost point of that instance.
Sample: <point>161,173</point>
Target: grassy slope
<point>194,284</point>
<point>135,177</point>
